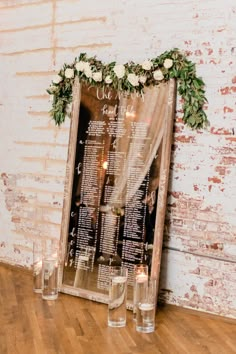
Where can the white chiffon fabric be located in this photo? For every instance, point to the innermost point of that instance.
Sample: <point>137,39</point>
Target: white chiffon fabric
<point>143,119</point>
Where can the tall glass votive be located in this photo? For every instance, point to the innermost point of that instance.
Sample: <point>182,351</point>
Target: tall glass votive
<point>37,265</point>
<point>140,284</point>
<point>118,276</point>
<point>50,270</point>
<point>146,308</point>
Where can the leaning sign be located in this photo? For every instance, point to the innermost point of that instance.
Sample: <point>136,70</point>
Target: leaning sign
<point>116,185</point>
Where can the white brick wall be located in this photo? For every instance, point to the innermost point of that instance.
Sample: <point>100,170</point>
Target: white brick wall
<point>36,38</point>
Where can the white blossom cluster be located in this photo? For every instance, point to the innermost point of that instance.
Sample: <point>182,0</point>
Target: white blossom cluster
<point>85,68</point>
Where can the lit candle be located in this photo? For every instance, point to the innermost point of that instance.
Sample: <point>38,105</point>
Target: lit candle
<point>141,278</point>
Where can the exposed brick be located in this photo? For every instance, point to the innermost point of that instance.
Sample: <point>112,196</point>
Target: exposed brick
<point>214,179</point>
<point>228,90</point>
<point>200,215</point>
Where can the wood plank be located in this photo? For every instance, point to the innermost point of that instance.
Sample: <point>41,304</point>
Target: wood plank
<point>74,325</point>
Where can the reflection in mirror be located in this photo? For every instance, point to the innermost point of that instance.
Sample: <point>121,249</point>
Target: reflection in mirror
<point>117,175</point>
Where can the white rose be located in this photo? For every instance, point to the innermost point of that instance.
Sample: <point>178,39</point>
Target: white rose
<point>133,79</point>
<point>57,79</point>
<point>88,73</point>
<point>119,71</point>
<point>142,79</point>
<point>87,70</point>
<point>80,66</point>
<point>69,73</point>
<point>168,63</point>
<point>108,79</point>
<point>157,74</point>
<point>86,66</point>
<point>147,65</point>
<point>97,76</point>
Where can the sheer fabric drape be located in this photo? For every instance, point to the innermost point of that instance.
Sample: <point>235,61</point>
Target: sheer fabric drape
<point>143,120</point>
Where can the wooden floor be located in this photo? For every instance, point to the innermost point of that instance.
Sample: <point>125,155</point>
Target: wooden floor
<point>30,325</point>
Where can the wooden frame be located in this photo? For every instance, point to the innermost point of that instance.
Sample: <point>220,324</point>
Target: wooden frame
<point>169,112</point>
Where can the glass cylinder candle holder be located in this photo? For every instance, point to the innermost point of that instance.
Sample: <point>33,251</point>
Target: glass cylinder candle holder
<point>140,284</point>
<point>50,270</point>
<point>146,308</point>
<point>118,276</point>
<point>37,265</point>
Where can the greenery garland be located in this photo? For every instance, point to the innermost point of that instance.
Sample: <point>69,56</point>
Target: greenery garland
<point>130,78</point>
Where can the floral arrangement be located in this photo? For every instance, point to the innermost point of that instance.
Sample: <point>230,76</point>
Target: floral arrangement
<point>132,77</point>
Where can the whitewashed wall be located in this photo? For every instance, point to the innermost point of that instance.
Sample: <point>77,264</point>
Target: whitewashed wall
<point>36,38</point>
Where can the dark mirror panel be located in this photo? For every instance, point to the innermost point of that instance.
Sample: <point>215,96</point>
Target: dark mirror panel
<point>114,174</point>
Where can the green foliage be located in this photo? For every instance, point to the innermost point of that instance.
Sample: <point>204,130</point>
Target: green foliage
<point>132,77</point>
